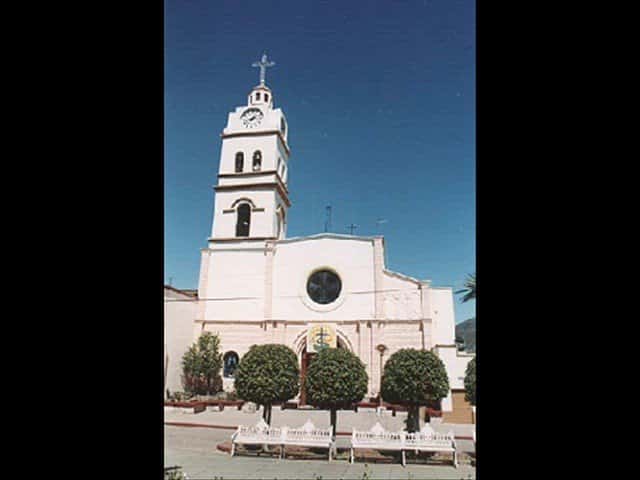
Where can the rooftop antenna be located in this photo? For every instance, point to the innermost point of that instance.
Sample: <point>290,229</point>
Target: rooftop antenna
<point>352,227</point>
<point>327,221</point>
<point>379,222</point>
<point>170,281</point>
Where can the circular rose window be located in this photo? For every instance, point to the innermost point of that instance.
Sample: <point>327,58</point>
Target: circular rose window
<point>324,286</point>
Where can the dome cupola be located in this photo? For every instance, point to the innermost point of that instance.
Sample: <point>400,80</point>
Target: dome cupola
<point>261,95</point>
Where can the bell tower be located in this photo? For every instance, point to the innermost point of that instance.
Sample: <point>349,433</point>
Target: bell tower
<point>252,199</point>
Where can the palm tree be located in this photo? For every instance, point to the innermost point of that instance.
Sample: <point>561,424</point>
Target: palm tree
<point>470,288</point>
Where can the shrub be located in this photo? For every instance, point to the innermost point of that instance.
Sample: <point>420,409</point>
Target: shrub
<point>232,395</point>
<point>174,473</point>
<point>335,379</point>
<point>268,374</point>
<point>470,382</point>
<point>414,378</point>
<point>201,366</point>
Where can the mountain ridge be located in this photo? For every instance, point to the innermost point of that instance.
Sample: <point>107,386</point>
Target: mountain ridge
<point>467,332</point>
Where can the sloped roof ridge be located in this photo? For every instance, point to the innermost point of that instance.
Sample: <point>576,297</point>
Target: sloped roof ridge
<point>186,291</point>
<point>341,236</point>
<point>406,277</point>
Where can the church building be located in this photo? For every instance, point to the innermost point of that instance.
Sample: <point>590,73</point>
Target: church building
<point>259,286</point>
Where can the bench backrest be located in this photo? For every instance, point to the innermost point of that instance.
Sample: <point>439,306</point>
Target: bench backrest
<point>308,431</point>
<point>252,432</point>
<point>369,437</point>
<point>428,436</point>
<point>259,431</point>
<point>377,435</point>
<point>262,431</point>
<point>300,434</point>
<point>436,439</point>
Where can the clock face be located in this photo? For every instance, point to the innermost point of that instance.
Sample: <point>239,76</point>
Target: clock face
<point>251,117</point>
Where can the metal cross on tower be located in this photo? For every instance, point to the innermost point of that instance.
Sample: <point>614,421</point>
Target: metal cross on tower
<point>352,227</point>
<point>262,65</point>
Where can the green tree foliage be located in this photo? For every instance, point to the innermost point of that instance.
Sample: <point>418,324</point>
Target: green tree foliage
<point>335,379</point>
<point>267,374</point>
<point>470,288</point>
<point>470,382</point>
<point>414,378</point>
<point>201,366</point>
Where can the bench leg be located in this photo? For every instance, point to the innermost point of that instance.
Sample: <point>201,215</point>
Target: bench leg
<point>351,456</point>
<point>233,449</point>
<point>281,451</point>
<point>330,449</point>
<point>455,459</point>
<point>404,459</point>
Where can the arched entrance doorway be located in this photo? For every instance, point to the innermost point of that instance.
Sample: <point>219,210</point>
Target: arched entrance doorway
<point>305,360</point>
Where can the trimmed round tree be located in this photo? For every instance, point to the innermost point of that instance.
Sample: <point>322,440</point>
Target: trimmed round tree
<point>201,365</point>
<point>413,378</point>
<point>267,374</point>
<point>470,382</point>
<point>335,379</point>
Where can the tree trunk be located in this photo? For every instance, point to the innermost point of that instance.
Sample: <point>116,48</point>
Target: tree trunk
<point>266,416</point>
<point>413,419</point>
<point>334,421</point>
<point>266,413</point>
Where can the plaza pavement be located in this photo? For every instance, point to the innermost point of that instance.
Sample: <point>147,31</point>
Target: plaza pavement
<point>194,448</point>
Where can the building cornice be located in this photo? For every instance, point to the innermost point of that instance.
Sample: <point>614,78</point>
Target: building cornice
<point>239,239</point>
<point>252,174</point>
<point>229,321</point>
<point>312,321</point>
<point>259,134</point>
<point>281,189</point>
<point>256,174</point>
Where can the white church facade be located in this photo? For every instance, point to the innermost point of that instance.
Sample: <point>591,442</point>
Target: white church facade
<point>258,286</point>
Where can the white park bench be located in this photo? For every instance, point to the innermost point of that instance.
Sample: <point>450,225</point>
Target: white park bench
<point>262,434</point>
<point>259,434</point>
<point>427,440</point>
<point>308,436</point>
<point>377,439</point>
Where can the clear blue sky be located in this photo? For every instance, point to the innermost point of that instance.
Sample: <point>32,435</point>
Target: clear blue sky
<point>380,102</point>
